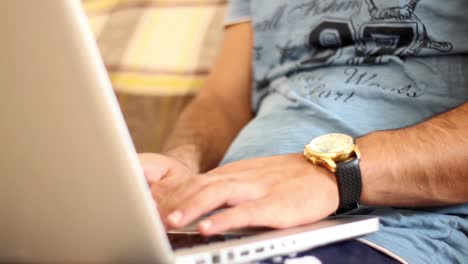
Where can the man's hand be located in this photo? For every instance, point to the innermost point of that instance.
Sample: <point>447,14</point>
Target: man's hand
<point>278,192</point>
<point>164,173</point>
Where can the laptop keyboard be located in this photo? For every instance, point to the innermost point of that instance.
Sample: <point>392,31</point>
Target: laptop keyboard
<point>190,240</point>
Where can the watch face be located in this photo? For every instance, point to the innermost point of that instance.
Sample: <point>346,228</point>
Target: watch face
<point>332,143</point>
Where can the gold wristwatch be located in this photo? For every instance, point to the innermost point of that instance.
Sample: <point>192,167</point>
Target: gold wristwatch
<point>340,155</point>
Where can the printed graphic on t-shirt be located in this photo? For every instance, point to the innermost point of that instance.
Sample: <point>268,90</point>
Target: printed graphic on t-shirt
<point>391,30</point>
<point>345,32</point>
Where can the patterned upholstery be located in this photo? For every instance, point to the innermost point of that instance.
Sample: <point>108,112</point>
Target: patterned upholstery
<point>158,54</point>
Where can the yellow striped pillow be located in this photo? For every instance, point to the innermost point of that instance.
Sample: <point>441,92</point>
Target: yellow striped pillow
<point>157,47</point>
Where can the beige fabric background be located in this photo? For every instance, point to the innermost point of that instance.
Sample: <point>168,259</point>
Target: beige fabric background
<point>158,54</point>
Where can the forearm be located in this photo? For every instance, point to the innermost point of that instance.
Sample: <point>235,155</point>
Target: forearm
<point>422,165</point>
<point>209,124</point>
<point>203,133</point>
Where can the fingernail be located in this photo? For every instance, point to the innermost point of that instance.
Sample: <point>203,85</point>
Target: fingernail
<point>206,225</point>
<point>175,217</point>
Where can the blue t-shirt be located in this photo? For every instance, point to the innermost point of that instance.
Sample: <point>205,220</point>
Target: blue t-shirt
<point>357,66</point>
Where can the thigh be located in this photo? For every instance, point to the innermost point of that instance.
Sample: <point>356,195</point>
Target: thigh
<point>347,252</point>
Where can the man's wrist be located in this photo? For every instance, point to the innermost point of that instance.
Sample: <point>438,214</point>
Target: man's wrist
<point>189,155</point>
<point>329,185</point>
<point>333,193</point>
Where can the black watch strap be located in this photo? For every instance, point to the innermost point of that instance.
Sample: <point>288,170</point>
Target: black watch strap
<point>348,175</point>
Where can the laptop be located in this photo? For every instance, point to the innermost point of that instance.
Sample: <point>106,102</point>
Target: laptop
<point>71,188</point>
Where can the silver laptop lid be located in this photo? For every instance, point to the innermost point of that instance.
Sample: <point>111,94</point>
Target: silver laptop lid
<point>71,185</point>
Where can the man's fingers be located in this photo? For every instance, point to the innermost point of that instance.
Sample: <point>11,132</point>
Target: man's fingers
<point>268,211</point>
<point>182,193</point>
<point>191,188</point>
<point>154,169</point>
<point>260,213</point>
<point>244,215</point>
<point>211,197</point>
<point>154,173</point>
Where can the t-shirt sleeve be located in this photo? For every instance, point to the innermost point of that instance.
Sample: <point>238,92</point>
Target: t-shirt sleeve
<point>238,11</point>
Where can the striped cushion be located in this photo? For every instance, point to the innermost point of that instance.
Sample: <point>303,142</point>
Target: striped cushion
<point>157,47</point>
